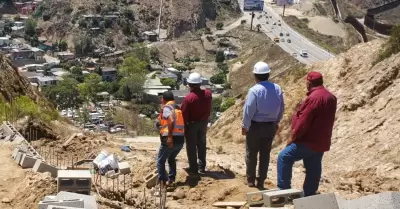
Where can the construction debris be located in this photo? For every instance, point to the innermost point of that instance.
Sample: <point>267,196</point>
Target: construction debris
<point>229,204</point>
<point>65,145</point>
<point>79,181</point>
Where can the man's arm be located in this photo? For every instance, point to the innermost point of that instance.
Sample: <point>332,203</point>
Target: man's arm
<point>282,109</point>
<point>249,109</point>
<point>185,110</point>
<point>305,116</point>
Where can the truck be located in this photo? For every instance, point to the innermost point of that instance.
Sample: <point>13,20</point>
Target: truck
<point>304,53</point>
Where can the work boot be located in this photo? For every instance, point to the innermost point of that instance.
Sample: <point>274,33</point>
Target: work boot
<point>250,182</point>
<point>260,184</point>
<point>191,171</point>
<point>202,171</point>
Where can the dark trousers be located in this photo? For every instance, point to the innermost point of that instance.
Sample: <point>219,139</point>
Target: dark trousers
<point>312,162</point>
<point>164,154</point>
<point>259,141</point>
<point>195,134</point>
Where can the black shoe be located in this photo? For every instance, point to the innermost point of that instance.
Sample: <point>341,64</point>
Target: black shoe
<point>260,184</point>
<point>191,171</point>
<point>202,171</point>
<point>251,184</point>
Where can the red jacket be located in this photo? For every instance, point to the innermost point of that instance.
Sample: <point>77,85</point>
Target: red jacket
<point>312,124</point>
<point>196,106</point>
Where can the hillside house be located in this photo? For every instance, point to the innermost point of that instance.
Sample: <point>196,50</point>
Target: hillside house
<point>5,41</point>
<point>165,75</point>
<point>108,74</point>
<point>18,31</point>
<point>179,95</point>
<point>150,36</point>
<point>64,56</point>
<point>2,25</point>
<point>27,54</point>
<point>42,81</point>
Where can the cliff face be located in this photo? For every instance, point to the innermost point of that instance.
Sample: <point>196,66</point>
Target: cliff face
<point>12,84</point>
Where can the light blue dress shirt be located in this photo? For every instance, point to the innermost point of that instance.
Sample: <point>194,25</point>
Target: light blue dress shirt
<point>264,103</point>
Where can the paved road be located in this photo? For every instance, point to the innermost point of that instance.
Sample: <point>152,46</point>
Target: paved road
<point>298,42</point>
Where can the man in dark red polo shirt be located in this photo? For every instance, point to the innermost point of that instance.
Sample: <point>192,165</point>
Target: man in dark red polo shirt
<point>311,136</point>
<point>196,110</point>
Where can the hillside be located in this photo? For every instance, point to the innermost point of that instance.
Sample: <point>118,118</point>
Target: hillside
<point>117,23</point>
<point>12,84</point>
<point>364,155</point>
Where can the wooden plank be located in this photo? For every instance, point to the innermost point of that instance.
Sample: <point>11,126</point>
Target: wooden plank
<point>227,204</point>
<point>69,140</point>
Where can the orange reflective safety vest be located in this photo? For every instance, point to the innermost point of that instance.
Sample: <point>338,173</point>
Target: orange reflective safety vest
<point>179,125</point>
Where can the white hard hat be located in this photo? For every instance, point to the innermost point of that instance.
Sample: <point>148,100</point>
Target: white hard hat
<point>261,68</point>
<point>194,78</point>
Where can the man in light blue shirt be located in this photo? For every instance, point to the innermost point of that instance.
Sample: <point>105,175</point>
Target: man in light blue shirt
<point>262,113</point>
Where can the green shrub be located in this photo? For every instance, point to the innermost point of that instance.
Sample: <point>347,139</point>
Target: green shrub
<point>219,25</point>
<point>218,78</point>
<point>219,57</point>
<point>392,46</point>
<point>229,102</point>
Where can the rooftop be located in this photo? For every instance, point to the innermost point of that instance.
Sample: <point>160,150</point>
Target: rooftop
<point>64,53</point>
<point>150,33</point>
<point>180,93</point>
<point>47,78</point>
<point>108,69</point>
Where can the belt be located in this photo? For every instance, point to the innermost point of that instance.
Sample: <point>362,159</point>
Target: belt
<point>197,121</point>
<point>256,122</point>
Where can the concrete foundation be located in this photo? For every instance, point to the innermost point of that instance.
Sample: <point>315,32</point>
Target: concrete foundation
<point>384,200</point>
<point>251,195</point>
<point>74,181</point>
<point>15,152</point>
<point>77,203</point>
<point>60,207</point>
<point>124,168</point>
<point>42,167</point>
<point>27,161</point>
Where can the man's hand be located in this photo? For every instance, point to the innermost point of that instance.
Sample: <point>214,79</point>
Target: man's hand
<point>290,140</point>
<point>170,142</point>
<point>244,131</point>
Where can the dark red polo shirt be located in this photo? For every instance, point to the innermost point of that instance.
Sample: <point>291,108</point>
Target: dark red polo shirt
<point>312,124</point>
<point>196,106</point>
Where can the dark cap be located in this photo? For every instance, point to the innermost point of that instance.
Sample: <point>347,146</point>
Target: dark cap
<point>312,76</point>
<point>168,96</point>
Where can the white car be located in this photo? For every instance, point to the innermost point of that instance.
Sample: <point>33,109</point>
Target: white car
<point>304,53</point>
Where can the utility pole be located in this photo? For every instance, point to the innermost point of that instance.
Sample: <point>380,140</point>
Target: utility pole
<point>159,19</point>
<point>283,13</point>
<point>252,17</point>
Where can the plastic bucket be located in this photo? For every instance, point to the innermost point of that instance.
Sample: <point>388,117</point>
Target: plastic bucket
<point>100,157</point>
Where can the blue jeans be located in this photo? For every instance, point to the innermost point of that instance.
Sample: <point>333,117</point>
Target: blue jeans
<point>167,153</point>
<point>312,163</point>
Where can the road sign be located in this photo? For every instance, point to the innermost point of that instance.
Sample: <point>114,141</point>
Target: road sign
<point>253,5</point>
<point>284,2</point>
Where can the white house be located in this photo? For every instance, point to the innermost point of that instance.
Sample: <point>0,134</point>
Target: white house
<point>4,41</point>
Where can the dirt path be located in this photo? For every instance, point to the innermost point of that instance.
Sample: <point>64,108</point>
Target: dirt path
<point>11,175</point>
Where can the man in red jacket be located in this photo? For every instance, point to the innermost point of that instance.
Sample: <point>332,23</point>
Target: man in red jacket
<point>311,136</point>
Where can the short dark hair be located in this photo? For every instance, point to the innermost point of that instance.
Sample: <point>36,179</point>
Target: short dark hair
<point>262,77</point>
<point>194,85</point>
<point>168,96</point>
<point>317,82</point>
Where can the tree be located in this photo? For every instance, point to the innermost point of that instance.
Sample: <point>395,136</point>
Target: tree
<point>132,65</point>
<point>218,78</point>
<point>220,57</point>
<point>17,18</point>
<point>62,45</point>
<point>64,94</point>
<point>140,51</point>
<point>131,86</point>
<point>76,73</point>
<point>98,70</point>
<point>223,67</point>
<point>392,46</point>
<point>83,44</point>
<point>168,82</point>
<point>154,54</point>
<point>30,27</point>
<point>219,25</point>
<point>90,87</point>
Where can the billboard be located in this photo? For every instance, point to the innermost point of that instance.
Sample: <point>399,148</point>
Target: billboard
<point>284,2</point>
<point>253,5</point>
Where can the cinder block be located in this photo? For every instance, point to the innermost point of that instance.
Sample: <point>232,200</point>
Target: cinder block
<point>15,152</point>
<point>77,203</point>
<point>42,167</point>
<point>18,157</point>
<point>124,168</point>
<point>27,161</point>
<point>250,196</point>
<point>326,201</point>
<point>90,201</point>
<point>74,181</point>
<point>292,193</point>
<point>151,179</point>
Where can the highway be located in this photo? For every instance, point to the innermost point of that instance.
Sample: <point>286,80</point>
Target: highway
<point>298,41</point>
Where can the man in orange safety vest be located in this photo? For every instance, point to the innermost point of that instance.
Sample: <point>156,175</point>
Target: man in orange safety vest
<point>171,126</point>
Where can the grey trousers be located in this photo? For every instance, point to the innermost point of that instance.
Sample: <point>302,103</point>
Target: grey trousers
<point>259,141</point>
<point>195,134</point>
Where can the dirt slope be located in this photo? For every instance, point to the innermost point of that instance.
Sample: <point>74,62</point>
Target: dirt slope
<point>364,155</point>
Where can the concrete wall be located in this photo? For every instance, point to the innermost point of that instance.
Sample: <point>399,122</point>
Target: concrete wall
<point>372,23</point>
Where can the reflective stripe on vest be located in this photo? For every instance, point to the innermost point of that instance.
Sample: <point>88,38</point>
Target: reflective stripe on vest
<point>178,122</point>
